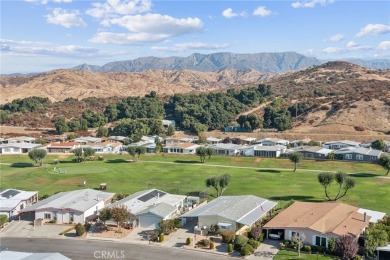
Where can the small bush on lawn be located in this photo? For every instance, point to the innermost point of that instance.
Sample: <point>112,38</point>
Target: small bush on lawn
<point>204,243</point>
<point>212,246</point>
<point>306,248</point>
<point>240,241</point>
<point>247,250</point>
<point>161,237</point>
<point>188,241</point>
<point>228,236</point>
<point>80,229</point>
<point>255,244</point>
<point>230,248</point>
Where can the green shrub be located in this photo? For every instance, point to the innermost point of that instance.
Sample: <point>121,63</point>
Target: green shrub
<point>188,241</point>
<point>214,229</point>
<point>314,249</point>
<point>228,236</point>
<point>255,244</point>
<point>3,219</point>
<point>306,248</point>
<point>332,245</point>
<point>357,257</point>
<point>87,226</point>
<point>320,249</point>
<point>240,241</point>
<point>161,237</point>
<point>80,229</point>
<point>212,246</point>
<point>247,250</point>
<point>204,243</point>
<point>230,248</point>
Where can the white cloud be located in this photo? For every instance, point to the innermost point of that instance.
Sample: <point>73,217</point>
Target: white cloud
<point>228,13</point>
<point>181,47</point>
<point>112,8</point>
<point>311,4</point>
<point>384,46</point>
<point>27,48</point>
<point>373,29</point>
<point>64,18</point>
<point>158,24</point>
<point>331,50</point>
<point>44,2</point>
<point>128,38</point>
<point>262,11</point>
<point>354,46</point>
<point>335,38</point>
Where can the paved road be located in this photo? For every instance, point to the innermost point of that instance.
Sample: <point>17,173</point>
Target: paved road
<point>88,249</point>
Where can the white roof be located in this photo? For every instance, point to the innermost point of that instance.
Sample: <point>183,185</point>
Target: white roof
<point>375,215</point>
<point>11,198</point>
<point>275,140</point>
<point>226,146</point>
<point>269,148</point>
<point>21,138</point>
<point>78,200</point>
<point>21,145</point>
<point>87,139</point>
<point>348,142</point>
<point>152,201</point>
<point>12,255</point>
<point>246,209</point>
<point>213,139</point>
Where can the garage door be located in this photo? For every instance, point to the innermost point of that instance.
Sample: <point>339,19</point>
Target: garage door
<point>149,221</point>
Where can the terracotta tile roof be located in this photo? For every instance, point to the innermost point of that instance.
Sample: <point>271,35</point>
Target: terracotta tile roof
<point>327,217</point>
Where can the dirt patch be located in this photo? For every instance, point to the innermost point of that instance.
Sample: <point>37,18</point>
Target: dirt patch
<point>111,232</point>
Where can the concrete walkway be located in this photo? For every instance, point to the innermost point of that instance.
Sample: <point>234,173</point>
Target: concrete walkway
<point>266,251</point>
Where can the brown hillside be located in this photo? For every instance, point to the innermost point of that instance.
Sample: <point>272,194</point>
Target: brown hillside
<point>61,84</point>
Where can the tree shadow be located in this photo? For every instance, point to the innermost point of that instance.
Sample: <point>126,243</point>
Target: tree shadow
<point>22,165</point>
<point>71,234</point>
<point>116,161</point>
<point>182,161</point>
<point>295,197</point>
<point>270,171</point>
<point>363,175</point>
<point>179,244</point>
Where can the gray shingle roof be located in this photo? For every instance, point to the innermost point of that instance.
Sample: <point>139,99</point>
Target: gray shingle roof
<point>360,150</point>
<point>78,200</point>
<point>245,209</point>
<point>226,146</point>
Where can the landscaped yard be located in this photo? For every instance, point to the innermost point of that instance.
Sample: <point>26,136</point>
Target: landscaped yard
<point>185,175</point>
<point>284,254</point>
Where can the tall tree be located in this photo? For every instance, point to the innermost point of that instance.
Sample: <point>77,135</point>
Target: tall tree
<point>37,155</point>
<point>295,158</point>
<point>78,152</point>
<point>102,132</point>
<point>120,214</point>
<point>379,145</point>
<point>347,247</point>
<point>384,161</point>
<point>140,150</point>
<point>132,150</point>
<point>60,125</point>
<point>219,183</point>
<point>345,183</point>
<point>88,152</point>
<point>105,214</point>
<point>170,130</point>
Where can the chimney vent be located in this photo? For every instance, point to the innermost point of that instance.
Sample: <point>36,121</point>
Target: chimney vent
<point>365,216</point>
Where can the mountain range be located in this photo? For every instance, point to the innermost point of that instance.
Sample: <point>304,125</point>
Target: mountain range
<point>265,62</point>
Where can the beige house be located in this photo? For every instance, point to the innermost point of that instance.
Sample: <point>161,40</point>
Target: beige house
<point>318,222</point>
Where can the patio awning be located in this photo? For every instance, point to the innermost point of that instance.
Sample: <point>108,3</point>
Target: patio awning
<point>221,224</point>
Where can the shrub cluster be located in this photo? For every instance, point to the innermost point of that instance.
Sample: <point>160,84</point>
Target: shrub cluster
<point>228,236</point>
<point>80,229</point>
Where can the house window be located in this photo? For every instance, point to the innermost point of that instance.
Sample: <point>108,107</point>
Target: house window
<point>71,216</point>
<point>55,215</point>
<point>374,158</point>
<point>21,206</point>
<point>359,157</point>
<point>348,156</point>
<point>47,216</point>
<point>321,241</point>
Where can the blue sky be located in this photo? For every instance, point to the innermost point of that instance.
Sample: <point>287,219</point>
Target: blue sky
<point>41,35</point>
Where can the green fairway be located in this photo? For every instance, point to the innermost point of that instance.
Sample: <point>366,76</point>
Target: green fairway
<point>184,175</point>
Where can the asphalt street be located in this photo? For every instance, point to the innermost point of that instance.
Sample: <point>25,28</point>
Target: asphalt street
<point>92,249</point>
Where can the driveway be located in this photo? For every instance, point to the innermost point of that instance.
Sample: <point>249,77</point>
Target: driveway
<point>25,228</point>
<point>266,251</point>
<point>139,236</point>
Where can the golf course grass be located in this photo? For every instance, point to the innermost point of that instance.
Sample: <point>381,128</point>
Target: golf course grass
<point>265,177</point>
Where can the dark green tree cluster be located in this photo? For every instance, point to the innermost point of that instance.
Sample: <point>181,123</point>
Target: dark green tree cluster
<point>250,122</point>
<point>344,183</point>
<point>149,106</point>
<point>94,119</point>
<point>77,125</point>
<point>376,235</point>
<point>298,109</point>
<point>198,113</point>
<point>29,104</point>
<point>138,127</point>
<point>275,116</point>
<point>219,183</point>
<point>204,153</point>
<point>60,125</point>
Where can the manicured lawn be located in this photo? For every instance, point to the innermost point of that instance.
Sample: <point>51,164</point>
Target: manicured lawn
<point>186,176</point>
<point>284,254</point>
